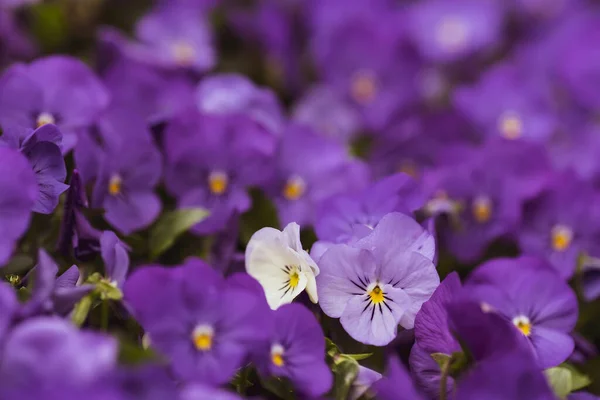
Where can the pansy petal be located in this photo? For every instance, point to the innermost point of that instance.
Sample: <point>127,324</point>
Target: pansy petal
<point>552,347</point>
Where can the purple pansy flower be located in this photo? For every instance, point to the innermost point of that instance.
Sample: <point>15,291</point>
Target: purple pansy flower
<point>396,382</point>
<point>232,94</point>
<point>309,169</point>
<point>534,298</point>
<point>561,223</point>
<point>129,167</point>
<point>365,379</point>
<point>380,281</point>
<point>197,391</point>
<point>446,31</point>
<point>432,336</point>
<point>116,258</point>
<point>212,160</point>
<point>50,352</point>
<point>18,194</point>
<point>296,351</point>
<point>42,149</point>
<point>505,103</point>
<point>204,325</point>
<point>56,90</point>
<point>53,294</point>
<point>338,216</point>
<point>328,113</point>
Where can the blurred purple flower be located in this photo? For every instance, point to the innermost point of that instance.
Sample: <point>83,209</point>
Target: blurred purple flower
<point>56,90</point>
<point>297,351</point>
<point>527,292</point>
<point>212,160</point>
<point>116,258</point>
<point>309,169</point>
<point>396,382</point>
<point>364,381</point>
<point>18,194</point>
<point>204,325</point>
<point>380,281</point>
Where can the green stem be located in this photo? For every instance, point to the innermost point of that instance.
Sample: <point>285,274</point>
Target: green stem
<point>444,379</point>
<point>104,310</point>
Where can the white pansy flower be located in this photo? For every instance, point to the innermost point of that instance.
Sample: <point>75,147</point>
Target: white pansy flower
<point>277,261</point>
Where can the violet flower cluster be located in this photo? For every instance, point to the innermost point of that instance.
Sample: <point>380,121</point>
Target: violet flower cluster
<point>286,199</point>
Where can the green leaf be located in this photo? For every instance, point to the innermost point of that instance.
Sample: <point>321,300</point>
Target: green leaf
<point>171,225</point>
<point>565,379</point>
<point>82,309</point>
<point>345,370</point>
<point>278,386</point>
<point>358,357</point>
<point>132,354</point>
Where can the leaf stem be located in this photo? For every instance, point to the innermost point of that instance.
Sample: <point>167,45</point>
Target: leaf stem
<point>444,379</point>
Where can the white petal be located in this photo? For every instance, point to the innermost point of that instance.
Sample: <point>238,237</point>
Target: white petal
<point>291,235</point>
<point>311,287</point>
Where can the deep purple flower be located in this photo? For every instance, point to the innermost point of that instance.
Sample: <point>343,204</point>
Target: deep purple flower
<point>561,223</point>
<point>297,351</point>
<point>231,94</point>
<point>10,307</point>
<point>396,382</point>
<point>204,325</point>
<point>42,149</point>
<point>15,3</point>
<point>212,160</point>
<point>56,90</point>
<point>328,113</point>
<point>116,258</point>
<point>198,391</point>
<point>129,167</point>
<point>18,194</point>
<point>379,80</point>
<point>433,336</point>
<point>527,292</point>
<point>338,216</point>
<point>14,41</point>
<point>50,352</point>
<point>446,31</point>
<point>53,294</point>
<point>309,169</point>
<point>380,281</point>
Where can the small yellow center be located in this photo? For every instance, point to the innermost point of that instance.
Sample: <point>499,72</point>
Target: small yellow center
<point>277,355</point>
<point>510,125</point>
<point>452,33</point>
<point>294,279</point>
<point>294,188</point>
<point>482,209</point>
<point>218,182</point>
<point>364,86</point>
<point>376,295</point>
<point>523,324</point>
<point>115,185</point>
<point>45,118</point>
<point>183,53</point>
<point>562,236</point>
<point>203,337</point>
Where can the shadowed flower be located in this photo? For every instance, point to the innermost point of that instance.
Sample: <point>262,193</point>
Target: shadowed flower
<point>380,281</point>
<point>278,262</point>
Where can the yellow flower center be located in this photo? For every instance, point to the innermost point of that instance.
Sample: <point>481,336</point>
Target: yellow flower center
<point>45,118</point>
<point>294,279</point>
<point>294,188</point>
<point>115,185</point>
<point>203,337</point>
<point>523,324</point>
<point>562,236</point>
<point>277,355</point>
<point>218,182</point>
<point>452,33</point>
<point>364,86</point>
<point>183,53</point>
<point>482,209</point>
<point>510,125</point>
<point>376,295</point>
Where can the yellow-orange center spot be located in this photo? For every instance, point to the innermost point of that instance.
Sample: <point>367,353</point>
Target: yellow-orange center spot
<point>218,182</point>
<point>451,33</point>
<point>523,324</point>
<point>277,355</point>
<point>203,337</point>
<point>115,185</point>
<point>45,118</point>
<point>561,237</point>
<point>294,188</point>
<point>482,209</point>
<point>376,295</point>
<point>294,279</point>
<point>510,125</point>
<point>183,53</point>
<point>364,86</point>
